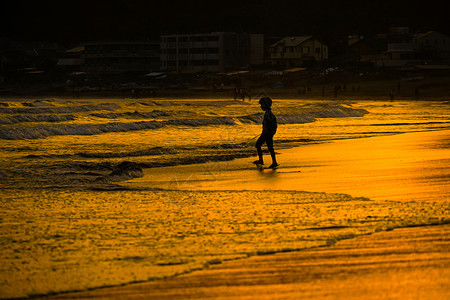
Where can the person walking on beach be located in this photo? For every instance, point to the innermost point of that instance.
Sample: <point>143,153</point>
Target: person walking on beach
<point>392,94</point>
<point>269,130</point>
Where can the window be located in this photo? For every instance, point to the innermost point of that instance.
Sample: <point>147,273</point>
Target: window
<point>318,50</point>
<point>306,50</point>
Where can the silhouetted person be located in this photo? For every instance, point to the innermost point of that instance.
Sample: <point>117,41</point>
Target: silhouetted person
<point>392,94</point>
<point>269,130</point>
<point>337,88</point>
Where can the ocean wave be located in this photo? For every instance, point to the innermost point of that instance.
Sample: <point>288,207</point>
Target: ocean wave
<point>59,110</point>
<point>38,103</point>
<point>35,118</point>
<point>43,156</point>
<point>147,152</point>
<point>124,171</point>
<point>154,103</point>
<point>327,111</point>
<point>85,129</point>
<point>338,111</point>
<point>92,129</point>
<point>134,115</point>
<point>253,118</point>
<point>202,122</point>
<point>295,119</point>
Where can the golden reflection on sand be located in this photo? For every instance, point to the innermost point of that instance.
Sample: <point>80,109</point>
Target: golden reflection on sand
<point>399,167</point>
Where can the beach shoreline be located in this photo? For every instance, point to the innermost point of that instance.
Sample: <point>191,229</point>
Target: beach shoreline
<point>200,216</point>
<point>405,263</point>
<point>406,166</point>
<point>409,262</point>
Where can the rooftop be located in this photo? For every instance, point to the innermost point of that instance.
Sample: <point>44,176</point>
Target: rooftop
<point>292,41</point>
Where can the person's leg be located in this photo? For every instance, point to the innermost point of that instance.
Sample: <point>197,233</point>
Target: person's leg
<point>269,142</point>
<point>258,145</point>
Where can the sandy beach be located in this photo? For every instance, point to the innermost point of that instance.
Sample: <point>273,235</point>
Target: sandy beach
<point>412,166</point>
<point>406,263</point>
<point>130,150</point>
<point>115,198</point>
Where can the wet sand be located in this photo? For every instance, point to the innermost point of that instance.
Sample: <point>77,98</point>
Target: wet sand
<point>407,263</point>
<point>411,166</point>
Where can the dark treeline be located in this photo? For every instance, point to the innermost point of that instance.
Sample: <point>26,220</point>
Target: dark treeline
<point>70,22</point>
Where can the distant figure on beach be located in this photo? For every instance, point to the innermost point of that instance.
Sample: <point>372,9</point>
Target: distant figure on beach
<point>392,94</point>
<point>269,130</point>
<point>337,88</point>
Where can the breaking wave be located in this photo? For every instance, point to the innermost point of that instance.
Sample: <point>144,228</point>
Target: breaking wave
<point>85,129</point>
<point>338,111</point>
<point>328,111</point>
<point>154,103</point>
<point>202,122</point>
<point>134,115</point>
<point>92,129</point>
<point>58,110</point>
<point>36,118</point>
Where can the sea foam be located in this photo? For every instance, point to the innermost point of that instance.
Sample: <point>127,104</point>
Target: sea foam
<point>92,129</point>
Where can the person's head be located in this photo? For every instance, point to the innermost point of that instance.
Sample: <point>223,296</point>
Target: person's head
<point>266,103</point>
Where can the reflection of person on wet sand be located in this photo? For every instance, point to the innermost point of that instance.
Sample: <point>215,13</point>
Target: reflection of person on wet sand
<point>269,130</point>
